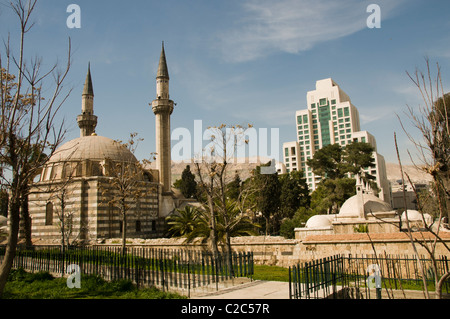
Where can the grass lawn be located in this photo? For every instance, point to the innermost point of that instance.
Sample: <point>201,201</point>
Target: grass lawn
<point>42,285</point>
<point>270,273</point>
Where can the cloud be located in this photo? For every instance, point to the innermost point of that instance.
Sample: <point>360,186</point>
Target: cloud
<point>293,26</point>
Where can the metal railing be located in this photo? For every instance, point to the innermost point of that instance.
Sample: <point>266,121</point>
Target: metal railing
<point>163,268</point>
<point>363,276</point>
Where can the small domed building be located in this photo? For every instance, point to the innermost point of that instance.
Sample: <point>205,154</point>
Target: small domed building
<point>363,212</point>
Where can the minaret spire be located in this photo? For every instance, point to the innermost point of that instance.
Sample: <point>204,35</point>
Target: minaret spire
<point>162,68</point>
<point>88,90</point>
<point>87,121</point>
<point>162,106</point>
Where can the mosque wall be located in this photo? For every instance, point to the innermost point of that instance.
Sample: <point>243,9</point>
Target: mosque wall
<point>92,215</point>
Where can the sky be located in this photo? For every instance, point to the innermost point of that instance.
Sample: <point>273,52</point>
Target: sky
<point>240,61</point>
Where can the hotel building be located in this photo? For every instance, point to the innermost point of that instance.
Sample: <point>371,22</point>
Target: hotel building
<point>330,118</point>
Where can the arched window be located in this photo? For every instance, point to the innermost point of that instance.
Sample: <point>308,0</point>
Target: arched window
<point>49,214</point>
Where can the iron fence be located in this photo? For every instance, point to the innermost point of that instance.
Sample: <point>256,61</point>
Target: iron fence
<point>163,268</point>
<point>364,276</point>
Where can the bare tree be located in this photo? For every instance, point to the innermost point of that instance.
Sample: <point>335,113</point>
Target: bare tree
<point>126,185</point>
<point>432,121</point>
<point>211,169</point>
<point>26,121</point>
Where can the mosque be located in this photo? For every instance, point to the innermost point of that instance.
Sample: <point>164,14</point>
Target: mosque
<point>76,180</point>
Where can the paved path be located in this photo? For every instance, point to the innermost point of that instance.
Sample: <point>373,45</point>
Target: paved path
<point>258,289</point>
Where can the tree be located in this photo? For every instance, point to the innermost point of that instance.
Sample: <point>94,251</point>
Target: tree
<point>187,184</point>
<point>268,197</point>
<point>327,162</point>
<point>299,219</point>
<point>35,159</point>
<point>211,167</point>
<point>234,188</point>
<point>26,121</point>
<point>4,199</point>
<point>294,193</point>
<point>126,184</point>
<point>433,124</point>
<point>356,157</point>
<point>330,194</point>
<point>233,222</point>
<point>183,222</point>
<point>194,223</point>
<point>335,164</point>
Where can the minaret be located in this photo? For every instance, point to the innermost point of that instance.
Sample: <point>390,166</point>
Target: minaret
<point>162,106</point>
<point>360,197</point>
<point>87,121</point>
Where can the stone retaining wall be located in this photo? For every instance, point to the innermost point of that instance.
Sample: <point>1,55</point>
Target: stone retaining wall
<point>271,250</point>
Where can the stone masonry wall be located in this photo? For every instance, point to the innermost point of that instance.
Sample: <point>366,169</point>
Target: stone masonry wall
<point>270,250</point>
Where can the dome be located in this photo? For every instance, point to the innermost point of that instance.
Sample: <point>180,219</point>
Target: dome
<point>94,148</point>
<point>371,204</point>
<point>85,156</point>
<point>318,221</point>
<point>414,215</point>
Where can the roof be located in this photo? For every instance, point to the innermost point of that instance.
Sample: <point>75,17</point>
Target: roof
<point>372,204</point>
<point>92,148</point>
<point>163,71</point>
<point>319,221</point>
<point>88,89</point>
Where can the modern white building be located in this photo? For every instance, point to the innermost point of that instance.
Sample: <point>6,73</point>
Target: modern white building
<point>330,118</point>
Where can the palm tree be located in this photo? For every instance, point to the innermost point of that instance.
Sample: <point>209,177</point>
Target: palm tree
<point>193,223</point>
<point>183,222</point>
<point>232,223</point>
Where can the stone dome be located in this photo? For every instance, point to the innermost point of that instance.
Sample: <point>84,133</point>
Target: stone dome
<point>372,204</point>
<point>85,156</point>
<point>319,221</point>
<point>92,148</point>
<point>414,215</point>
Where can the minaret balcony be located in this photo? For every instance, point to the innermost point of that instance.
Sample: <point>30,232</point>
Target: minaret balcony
<point>162,106</point>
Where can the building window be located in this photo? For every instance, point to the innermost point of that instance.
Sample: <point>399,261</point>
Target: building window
<point>333,101</point>
<point>49,213</point>
<point>293,151</point>
<point>153,225</point>
<point>323,102</point>
<point>286,151</point>
<point>346,112</point>
<point>138,226</point>
<point>363,139</point>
